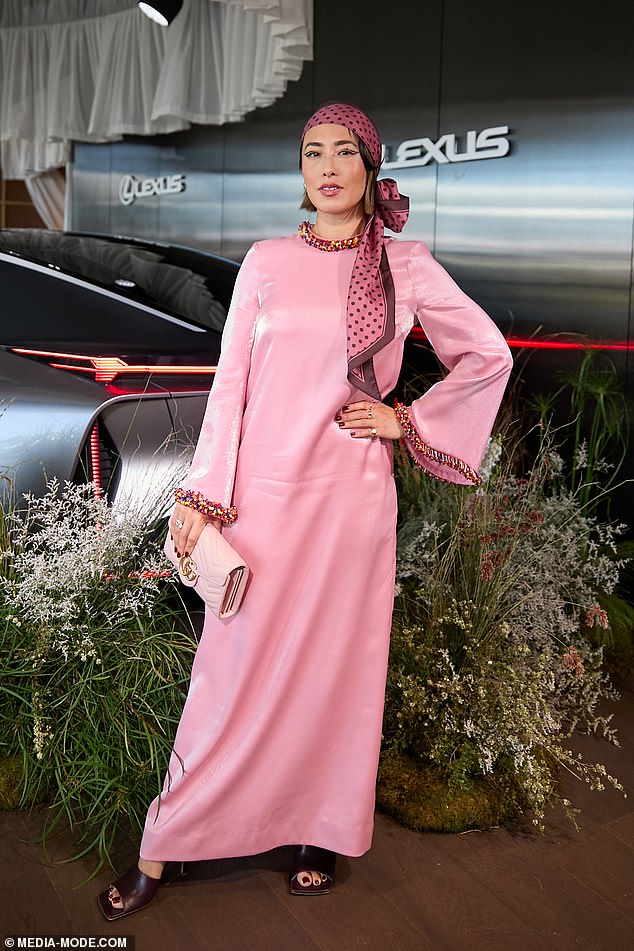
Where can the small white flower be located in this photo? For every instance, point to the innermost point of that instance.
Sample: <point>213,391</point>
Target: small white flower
<point>580,460</point>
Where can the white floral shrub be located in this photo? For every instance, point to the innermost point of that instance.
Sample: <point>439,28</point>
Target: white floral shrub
<point>491,666</point>
<point>95,658</point>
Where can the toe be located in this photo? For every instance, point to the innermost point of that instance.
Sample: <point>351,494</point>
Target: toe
<point>114,898</point>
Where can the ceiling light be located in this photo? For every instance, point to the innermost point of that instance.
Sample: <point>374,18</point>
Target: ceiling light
<point>161,11</point>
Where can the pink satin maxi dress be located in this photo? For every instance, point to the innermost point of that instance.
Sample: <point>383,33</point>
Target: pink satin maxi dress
<point>279,737</point>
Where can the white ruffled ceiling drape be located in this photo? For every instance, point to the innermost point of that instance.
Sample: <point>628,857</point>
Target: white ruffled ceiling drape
<point>94,70</point>
<point>48,193</point>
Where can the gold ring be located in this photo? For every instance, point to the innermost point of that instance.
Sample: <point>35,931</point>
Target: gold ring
<point>373,431</point>
<point>369,412</point>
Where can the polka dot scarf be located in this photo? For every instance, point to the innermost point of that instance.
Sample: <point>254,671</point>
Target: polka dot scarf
<point>370,306</point>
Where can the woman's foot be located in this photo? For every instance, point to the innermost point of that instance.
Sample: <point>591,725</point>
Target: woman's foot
<point>313,870</point>
<point>132,892</point>
<point>153,869</point>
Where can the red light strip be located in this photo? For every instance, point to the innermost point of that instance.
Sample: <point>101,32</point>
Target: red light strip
<point>533,343</point>
<point>95,463</point>
<point>530,344</point>
<point>106,369</point>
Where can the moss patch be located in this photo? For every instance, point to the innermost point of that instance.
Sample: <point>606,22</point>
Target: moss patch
<point>11,774</point>
<point>420,798</point>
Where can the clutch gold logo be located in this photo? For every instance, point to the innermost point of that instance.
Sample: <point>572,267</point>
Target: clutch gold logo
<point>188,569</point>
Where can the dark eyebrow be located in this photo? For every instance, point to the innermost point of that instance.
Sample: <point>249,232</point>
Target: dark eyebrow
<point>339,142</point>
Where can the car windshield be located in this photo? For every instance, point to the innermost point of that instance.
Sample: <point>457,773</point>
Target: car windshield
<point>146,295</point>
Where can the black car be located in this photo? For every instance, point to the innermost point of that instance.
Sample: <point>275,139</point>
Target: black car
<point>108,346</point>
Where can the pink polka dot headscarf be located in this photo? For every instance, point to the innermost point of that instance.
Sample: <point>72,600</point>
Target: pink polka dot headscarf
<point>370,306</point>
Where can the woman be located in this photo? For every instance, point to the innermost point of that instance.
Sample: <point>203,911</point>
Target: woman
<point>279,738</point>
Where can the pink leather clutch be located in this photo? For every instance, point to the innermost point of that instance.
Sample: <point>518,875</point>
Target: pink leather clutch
<point>214,570</point>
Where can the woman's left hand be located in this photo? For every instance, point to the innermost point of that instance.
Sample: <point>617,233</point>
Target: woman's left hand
<point>368,419</point>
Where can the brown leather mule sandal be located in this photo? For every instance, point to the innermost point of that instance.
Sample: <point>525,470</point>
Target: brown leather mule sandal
<point>313,870</point>
<point>136,891</point>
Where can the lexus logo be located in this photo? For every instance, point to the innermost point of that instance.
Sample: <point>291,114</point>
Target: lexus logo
<point>488,144</point>
<point>131,188</point>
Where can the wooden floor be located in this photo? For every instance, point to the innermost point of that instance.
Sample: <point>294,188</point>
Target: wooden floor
<point>494,891</point>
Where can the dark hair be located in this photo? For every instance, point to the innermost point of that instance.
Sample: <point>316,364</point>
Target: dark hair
<point>370,179</point>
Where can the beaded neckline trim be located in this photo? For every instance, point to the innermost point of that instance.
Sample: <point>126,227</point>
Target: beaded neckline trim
<point>327,244</point>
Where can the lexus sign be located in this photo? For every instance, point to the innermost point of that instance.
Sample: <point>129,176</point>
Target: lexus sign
<point>487,144</point>
<point>131,188</point>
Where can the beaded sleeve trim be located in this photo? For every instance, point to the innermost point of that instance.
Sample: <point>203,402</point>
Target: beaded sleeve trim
<point>415,445</point>
<point>194,500</point>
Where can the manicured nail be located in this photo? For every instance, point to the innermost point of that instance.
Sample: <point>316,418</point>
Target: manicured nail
<point>337,418</point>
<point>345,408</point>
<point>341,425</point>
<point>353,434</point>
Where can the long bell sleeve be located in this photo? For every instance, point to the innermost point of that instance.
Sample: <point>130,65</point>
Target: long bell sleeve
<point>446,430</point>
<point>208,487</point>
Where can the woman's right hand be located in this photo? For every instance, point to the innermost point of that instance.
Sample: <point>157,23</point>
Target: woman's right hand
<point>186,525</point>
